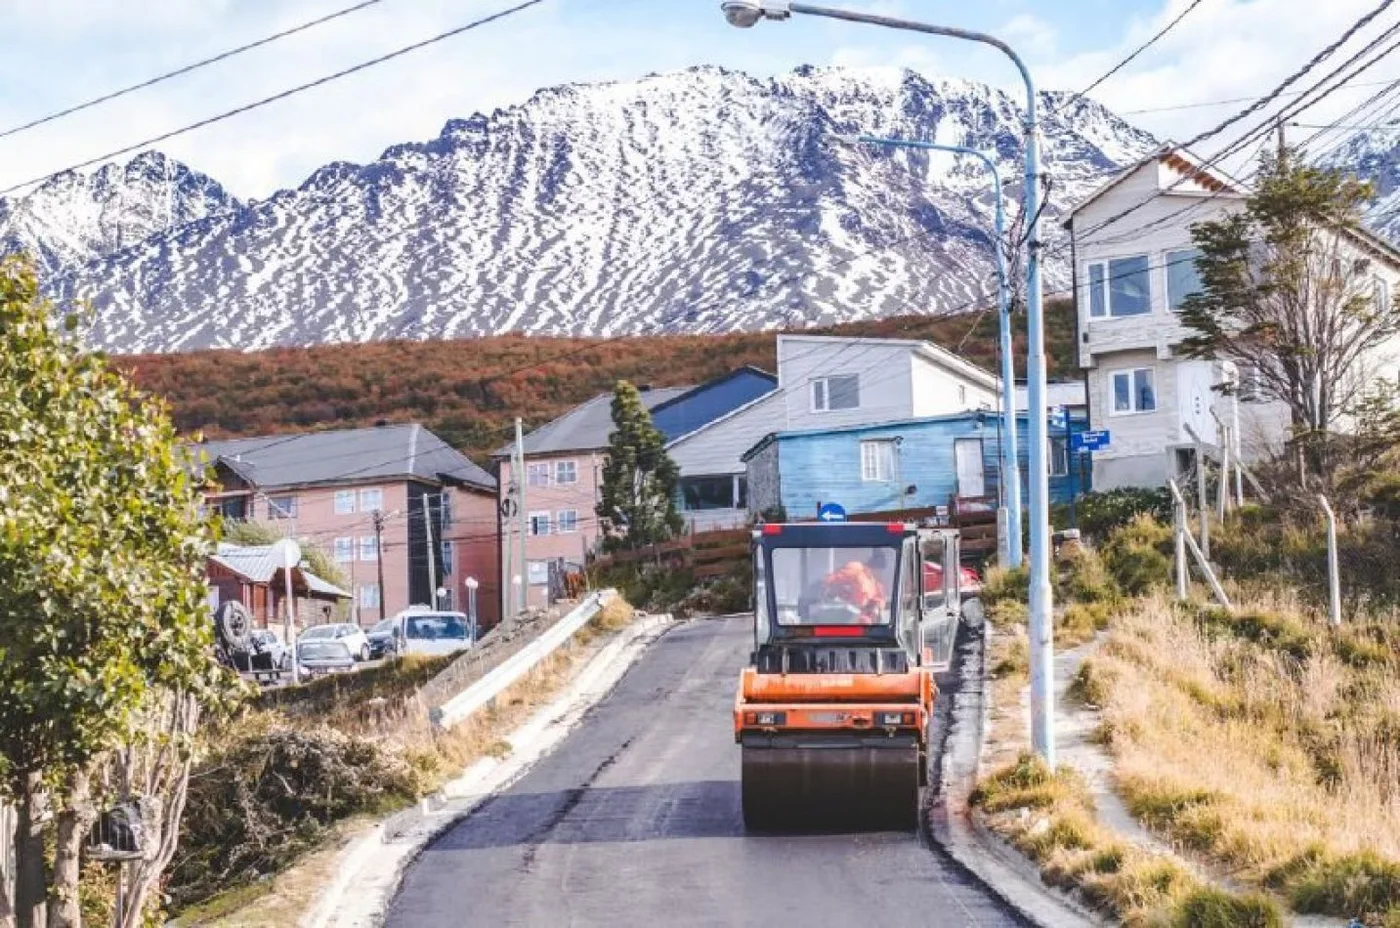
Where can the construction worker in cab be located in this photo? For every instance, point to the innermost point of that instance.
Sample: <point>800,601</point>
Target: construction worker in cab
<point>858,584</point>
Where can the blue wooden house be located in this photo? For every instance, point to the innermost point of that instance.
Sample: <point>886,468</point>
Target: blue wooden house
<point>908,464</point>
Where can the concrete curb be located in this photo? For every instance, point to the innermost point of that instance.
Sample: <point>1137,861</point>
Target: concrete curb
<point>955,826</point>
<point>372,866</point>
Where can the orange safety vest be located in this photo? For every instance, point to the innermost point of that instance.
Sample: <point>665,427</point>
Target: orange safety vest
<point>856,584</point>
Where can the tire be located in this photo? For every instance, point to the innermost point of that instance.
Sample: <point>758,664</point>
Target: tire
<point>364,653</point>
<point>234,625</point>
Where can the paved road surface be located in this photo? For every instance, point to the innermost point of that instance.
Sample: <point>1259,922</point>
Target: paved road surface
<point>635,821</point>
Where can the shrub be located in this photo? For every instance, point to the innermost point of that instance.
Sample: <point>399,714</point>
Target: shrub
<point>1082,577</point>
<point>1208,907</point>
<point>1079,622</point>
<point>1003,583</point>
<point>1026,783</point>
<point>1267,629</point>
<point>1100,514</point>
<point>1359,883</point>
<point>1138,555</point>
<point>1014,660</point>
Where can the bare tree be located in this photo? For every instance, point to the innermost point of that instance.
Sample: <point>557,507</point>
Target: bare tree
<point>1290,293</point>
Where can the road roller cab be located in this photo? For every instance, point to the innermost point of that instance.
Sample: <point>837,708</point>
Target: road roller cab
<point>832,714</point>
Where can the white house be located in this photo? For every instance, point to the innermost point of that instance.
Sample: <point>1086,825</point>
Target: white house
<point>1132,273</point>
<point>826,382</point>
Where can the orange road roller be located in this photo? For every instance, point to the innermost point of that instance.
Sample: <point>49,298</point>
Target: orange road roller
<point>832,714</point>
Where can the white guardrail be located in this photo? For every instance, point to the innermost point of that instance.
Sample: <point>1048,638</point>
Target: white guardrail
<point>460,707</point>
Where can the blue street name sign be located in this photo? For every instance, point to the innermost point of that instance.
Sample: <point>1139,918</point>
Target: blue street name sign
<point>1089,441</point>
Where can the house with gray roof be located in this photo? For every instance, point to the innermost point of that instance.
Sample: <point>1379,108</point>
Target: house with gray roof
<point>408,518</point>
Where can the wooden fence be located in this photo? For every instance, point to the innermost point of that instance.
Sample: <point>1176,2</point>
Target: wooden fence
<point>705,554</point>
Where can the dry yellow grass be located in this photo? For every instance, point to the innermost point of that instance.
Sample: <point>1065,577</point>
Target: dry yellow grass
<point>1260,749</point>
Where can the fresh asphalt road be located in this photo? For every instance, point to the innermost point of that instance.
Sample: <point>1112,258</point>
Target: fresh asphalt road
<point>634,820</point>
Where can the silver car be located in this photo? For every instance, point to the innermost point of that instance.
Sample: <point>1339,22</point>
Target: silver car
<point>352,636</point>
<point>321,656</point>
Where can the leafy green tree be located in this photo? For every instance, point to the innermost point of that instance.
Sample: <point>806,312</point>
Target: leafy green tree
<point>640,481</point>
<point>104,622</point>
<point>1290,295</point>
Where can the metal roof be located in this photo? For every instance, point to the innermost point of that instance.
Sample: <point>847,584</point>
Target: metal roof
<point>347,455</point>
<point>586,427</point>
<point>259,564</point>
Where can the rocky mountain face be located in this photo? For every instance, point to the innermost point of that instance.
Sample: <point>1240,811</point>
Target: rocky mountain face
<point>699,201</point>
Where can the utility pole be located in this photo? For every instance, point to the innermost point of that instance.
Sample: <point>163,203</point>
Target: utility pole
<point>524,516</point>
<point>379,557</point>
<point>432,565</point>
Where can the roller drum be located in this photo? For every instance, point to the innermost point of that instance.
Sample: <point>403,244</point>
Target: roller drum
<point>796,783</point>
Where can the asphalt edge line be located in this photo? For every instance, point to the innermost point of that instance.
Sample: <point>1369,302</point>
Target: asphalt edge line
<point>532,740</point>
<point>956,828</point>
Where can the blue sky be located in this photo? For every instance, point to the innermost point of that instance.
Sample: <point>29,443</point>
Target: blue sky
<point>57,52</point>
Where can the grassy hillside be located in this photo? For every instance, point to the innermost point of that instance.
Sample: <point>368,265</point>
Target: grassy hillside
<point>469,391</point>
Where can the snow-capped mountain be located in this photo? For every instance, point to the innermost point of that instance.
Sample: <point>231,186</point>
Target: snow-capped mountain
<point>73,219</point>
<point>1373,154</point>
<point>704,200</point>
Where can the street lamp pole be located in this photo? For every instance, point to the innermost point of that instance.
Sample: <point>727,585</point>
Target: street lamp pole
<point>747,13</point>
<point>1010,469</point>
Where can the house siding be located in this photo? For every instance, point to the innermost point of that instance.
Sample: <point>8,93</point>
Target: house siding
<point>705,404</point>
<point>765,484</point>
<point>886,380</point>
<point>718,449</point>
<point>581,497</point>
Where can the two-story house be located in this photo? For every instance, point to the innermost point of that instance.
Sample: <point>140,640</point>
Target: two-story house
<point>396,506</point>
<point>1131,277</point>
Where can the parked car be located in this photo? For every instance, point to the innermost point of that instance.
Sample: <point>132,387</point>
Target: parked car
<point>353,637</point>
<point>322,655</point>
<point>264,641</point>
<point>425,631</point>
<point>381,639</point>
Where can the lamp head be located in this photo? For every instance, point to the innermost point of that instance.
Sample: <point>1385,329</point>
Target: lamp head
<point>745,13</point>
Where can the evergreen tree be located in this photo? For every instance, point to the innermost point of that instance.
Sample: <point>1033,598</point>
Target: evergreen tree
<point>640,480</point>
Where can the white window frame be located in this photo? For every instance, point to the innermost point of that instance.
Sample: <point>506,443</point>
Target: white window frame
<point>371,499</point>
<point>344,550</point>
<point>538,473</point>
<point>544,515</point>
<point>369,596</point>
<point>1380,293</point>
<point>820,394</point>
<point>560,523</point>
<point>449,555</point>
<point>563,467</point>
<point>873,454</point>
<point>1131,373</point>
<point>1105,266</point>
<point>344,502</point>
<point>369,548</point>
<point>276,508</point>
<point>445,508</point>
<point>1059,456</point>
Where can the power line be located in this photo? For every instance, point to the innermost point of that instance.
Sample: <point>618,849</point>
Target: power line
<point>1138,51</point>
<point>1226,102</point>
<point>178,72</point>
<point>282,95</point>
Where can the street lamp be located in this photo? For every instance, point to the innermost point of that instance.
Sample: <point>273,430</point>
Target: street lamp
<point>1010,469</point>
<point>471,585</point>
<point>746,13</point>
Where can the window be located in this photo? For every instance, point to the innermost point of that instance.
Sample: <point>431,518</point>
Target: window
<point>282,507</point>
<point>565,473</point>
<point>566,521</point>
<point>445,504</point>
<point>1381,295</point>
<point>832,393</point>
<point>538,573</point>
<point>344,550</point>
<point>539,524</point>
<point>371,499</point>
<point>344,502</point>
<point>1134,391</point>
<point>877,461</point>
<point>369,548</point>
<point>1059,457</point>
<point>715,492</point>
<point>1098,302</point>
<point>447,558</point>
<point>1124,290</point>
<point>369,596</point>
<point>962,395</point>
<point>537,475</point>
<point>1183,278</point>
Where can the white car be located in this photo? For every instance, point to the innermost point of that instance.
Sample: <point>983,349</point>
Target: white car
<point>352,636</point>
<point>425,631</point>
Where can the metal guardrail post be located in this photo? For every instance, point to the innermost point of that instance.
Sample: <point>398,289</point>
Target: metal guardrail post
<point>1334,575</point>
